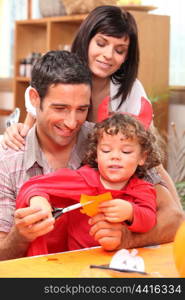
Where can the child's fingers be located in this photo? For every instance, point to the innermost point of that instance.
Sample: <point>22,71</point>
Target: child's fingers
<point>112,219</point>
<point>106,204</point>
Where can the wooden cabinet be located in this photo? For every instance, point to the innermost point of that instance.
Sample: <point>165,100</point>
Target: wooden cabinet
<point>54,33</point>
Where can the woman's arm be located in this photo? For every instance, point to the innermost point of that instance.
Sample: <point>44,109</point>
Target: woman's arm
<point>30,120</point>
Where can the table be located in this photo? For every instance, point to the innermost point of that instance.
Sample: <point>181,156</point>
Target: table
<point>159,263</point>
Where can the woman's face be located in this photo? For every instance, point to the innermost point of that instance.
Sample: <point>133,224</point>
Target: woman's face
<point>106,54</point>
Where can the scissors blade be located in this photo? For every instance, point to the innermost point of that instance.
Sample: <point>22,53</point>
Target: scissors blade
<point>75,206</point>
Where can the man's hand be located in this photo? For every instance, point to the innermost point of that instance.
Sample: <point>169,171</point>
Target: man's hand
<point>32,222</point>
<point>108,235</point>
<point>29,223</point>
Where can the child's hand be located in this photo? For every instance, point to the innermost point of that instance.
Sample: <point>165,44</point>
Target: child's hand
<point>117,210</point>
<point>41,203</point>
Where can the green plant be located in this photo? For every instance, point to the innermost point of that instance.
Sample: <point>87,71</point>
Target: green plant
<point>172,142</point>
<point>180,186</point>
<point>160,108</point>
<point>176,157</point>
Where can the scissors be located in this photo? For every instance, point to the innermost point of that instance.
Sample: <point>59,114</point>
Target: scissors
<point>57,212</point>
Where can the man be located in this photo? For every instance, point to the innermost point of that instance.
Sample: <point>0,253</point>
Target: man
<point>61,91</point>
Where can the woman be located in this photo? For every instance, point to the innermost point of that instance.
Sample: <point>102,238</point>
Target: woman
<point>107,41</point>
<point>110,48</point>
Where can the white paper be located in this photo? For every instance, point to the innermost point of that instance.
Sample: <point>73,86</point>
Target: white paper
<point>123,259</point>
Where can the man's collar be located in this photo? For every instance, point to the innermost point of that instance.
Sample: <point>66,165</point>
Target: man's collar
<point>33,151</point>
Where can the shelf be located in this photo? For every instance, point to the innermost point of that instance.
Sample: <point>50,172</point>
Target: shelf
<point>42,21</point>
<point>141,8</point>
<point>5,112</point>
<point>23,79</point>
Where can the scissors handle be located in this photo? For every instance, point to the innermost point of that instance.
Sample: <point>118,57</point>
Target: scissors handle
<point>57,212</point>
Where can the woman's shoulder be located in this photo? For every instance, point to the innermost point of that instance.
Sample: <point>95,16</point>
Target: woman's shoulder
<point>132,103</point>
<point>137,90</point>
<point>136,87</point>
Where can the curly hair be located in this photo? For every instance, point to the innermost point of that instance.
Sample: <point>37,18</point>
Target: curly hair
<point>131,128</point>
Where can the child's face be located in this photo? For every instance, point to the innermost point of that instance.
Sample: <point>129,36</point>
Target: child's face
<point>118,158</point>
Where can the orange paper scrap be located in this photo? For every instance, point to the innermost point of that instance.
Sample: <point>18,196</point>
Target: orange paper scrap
<point>92,208</point>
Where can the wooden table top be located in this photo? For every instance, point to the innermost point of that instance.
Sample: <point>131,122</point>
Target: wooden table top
<point>159,263</point>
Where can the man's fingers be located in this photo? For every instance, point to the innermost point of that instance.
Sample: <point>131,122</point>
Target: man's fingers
<point>28,216</point>
<point>110,243</point>
<point>32,219</point>
<point>45,230</point>
<point>33,222</point>
<point>23,212</point>
<point>103,233</point>
<point>97,218</point>
<point>109,239</point>
<point>99,222</point>
<point>42,226</point>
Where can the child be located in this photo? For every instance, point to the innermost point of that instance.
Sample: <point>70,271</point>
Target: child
<point>120,152</point>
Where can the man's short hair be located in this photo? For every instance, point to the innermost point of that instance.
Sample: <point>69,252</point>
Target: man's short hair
<point>58,67</point>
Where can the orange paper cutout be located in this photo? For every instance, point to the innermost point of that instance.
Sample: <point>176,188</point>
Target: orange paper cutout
<point>92,208</point>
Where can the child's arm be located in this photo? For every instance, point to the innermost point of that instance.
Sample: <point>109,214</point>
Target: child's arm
<point>117,210</point>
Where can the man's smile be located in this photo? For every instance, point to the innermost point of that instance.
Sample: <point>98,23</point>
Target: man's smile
<point>64,131</point>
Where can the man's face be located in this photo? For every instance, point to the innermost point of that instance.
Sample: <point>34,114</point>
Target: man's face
<point>62,113</point>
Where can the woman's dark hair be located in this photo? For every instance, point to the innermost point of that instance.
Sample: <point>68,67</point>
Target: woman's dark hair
<point>130,128</point>
<point>111,21</point>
